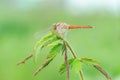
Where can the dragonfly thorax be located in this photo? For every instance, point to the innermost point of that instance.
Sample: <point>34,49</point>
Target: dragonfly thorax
<point>61,28</point>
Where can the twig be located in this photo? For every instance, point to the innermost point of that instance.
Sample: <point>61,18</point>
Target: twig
<point>42,66</point>
<point>25,59</point>
<point>81,74</point>
<point>96,66</point>
<point>66,61</point>
<point>102,71</point>
<point>74,55</point>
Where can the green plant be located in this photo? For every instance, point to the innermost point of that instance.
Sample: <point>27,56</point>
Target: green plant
<point>58,44</point>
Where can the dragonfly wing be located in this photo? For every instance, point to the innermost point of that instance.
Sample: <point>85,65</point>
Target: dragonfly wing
<point>41,33</point>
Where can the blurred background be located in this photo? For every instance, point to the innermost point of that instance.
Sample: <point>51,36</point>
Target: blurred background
<point>20,20</point>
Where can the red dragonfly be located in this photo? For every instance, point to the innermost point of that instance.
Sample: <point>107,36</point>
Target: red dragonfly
<point>62,28</point>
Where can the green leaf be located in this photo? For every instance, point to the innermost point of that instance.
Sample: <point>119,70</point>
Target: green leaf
<point>53,52</point>
<point>77,65</point>
<point>51,42</point>
<point>74,64</point>
<point>44,39</point>
<point>54,43</point>
<point>89,60</point>
<point>40,43</point>
<point>63,66</point>
<point>55,49</point>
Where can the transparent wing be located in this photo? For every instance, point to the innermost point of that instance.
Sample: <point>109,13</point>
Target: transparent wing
<point>42,32</point>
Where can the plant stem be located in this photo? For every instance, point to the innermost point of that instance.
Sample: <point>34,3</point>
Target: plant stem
<point>42,66</point>
<point>67,64</point>
<point>102,71</point>
<point>96,66</point>
<point>81,74</point>
<point>75,56</point>
<point>73,53</point>
<point>25,59</point>
<point>66,60</point>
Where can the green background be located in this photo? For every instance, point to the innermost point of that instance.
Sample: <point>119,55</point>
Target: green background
<point>20,28</point>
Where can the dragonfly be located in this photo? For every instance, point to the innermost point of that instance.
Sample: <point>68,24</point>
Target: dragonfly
<point>62,28</point>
